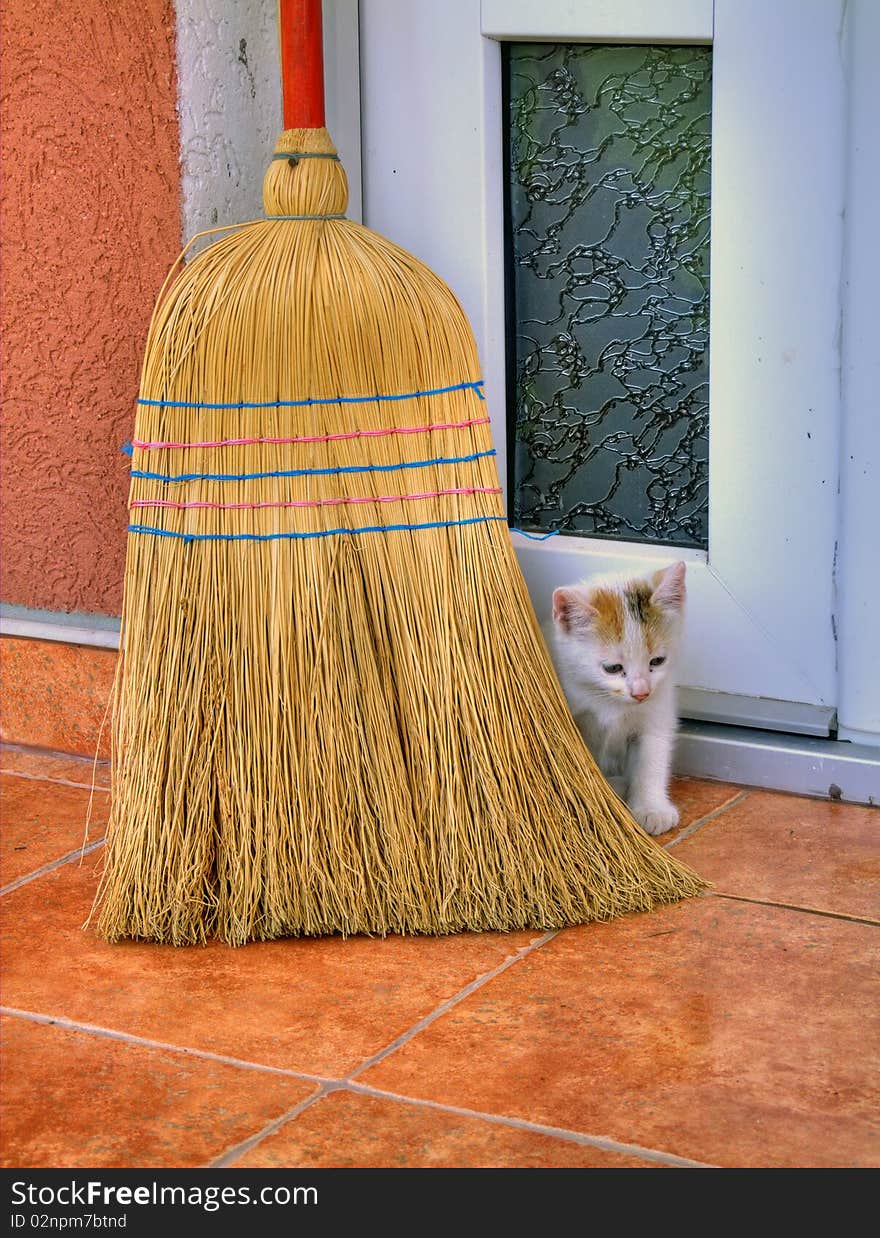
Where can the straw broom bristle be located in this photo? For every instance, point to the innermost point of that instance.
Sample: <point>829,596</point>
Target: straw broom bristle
<point>353,733</point>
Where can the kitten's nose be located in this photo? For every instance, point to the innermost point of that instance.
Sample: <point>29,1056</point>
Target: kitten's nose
<point>640,691</point>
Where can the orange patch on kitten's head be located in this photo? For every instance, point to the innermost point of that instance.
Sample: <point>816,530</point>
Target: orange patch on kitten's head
<point>603,610</point>
<point>638,598</point>
<point>578,609</point>
<point>608,622</point>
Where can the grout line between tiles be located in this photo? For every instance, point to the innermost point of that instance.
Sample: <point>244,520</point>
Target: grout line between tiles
<point>344,1083</point>
<point>326,1085</point>
<point>535,1128</point>
<point>107,1033</point>
<point>34,750</point>
<point>48,868</point>
<point>710,816</point>
<point>56,782</point>
<point>602,1142</point>
<point>451,1002</point>
<point>810,911</point>
<point>93,762</point>
<point>232,1154</point>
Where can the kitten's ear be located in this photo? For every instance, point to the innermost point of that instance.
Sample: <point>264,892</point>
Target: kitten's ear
<point>571,610</point>
<point>669,587</point>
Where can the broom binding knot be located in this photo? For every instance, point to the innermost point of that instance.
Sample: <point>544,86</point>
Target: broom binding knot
<point>293,157</point>
<point>305,217</point>
<point>305,177</point>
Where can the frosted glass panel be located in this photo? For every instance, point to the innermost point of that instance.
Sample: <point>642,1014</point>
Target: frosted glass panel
<point>609,166</point>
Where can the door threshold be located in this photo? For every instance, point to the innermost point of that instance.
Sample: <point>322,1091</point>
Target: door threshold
<point>801,764</point>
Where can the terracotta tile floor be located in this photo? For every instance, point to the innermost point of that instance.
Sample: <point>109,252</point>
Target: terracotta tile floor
<point>740,1029</point>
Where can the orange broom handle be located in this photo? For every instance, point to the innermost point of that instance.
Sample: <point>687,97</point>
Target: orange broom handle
<point>302,63</point>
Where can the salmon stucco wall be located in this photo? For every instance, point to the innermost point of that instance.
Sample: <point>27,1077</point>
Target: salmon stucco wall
<point>91,225</point>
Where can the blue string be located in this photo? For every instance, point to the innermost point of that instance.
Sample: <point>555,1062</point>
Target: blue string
<point>304,154</point>
<point>268,537</point>
<point>535,537</point>
<point>305,217</point>
<point>340,399</point>
<point>349,468</point>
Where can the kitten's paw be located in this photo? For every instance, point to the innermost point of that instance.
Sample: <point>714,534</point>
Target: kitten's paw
<point>656,817</point>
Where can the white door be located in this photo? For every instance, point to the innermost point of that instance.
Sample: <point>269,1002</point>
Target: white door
<point>760,642</point>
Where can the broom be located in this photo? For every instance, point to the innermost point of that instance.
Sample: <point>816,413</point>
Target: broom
<point>334,711</point>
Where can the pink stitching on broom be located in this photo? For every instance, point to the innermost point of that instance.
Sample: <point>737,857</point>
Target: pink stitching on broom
<point>319,438</point>
<point>385,498</point>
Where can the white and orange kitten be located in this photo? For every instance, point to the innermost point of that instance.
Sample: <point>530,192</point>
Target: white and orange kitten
<point>614,640</point>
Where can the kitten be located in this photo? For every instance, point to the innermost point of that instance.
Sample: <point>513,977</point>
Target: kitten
<point>613,640</point>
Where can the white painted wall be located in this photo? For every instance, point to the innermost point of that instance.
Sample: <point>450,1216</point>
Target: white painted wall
<point>858,563</point>
<point>229,102</point>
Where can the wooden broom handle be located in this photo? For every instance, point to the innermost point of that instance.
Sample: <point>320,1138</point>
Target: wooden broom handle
<point>302,63</point>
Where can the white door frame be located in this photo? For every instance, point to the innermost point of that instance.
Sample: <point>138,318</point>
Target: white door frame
<point>432,133</point>
<point>761,603</point>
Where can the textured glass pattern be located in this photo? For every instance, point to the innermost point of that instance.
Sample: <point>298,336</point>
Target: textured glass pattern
<point>609,160</point>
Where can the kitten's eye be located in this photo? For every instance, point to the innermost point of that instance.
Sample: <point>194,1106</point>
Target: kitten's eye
<point>657,661</point>
<point>612,668</point>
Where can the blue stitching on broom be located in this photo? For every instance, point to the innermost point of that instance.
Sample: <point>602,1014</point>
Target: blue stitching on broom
<point>348,468</point>
<point>268,537</point>
<point>339,399</point>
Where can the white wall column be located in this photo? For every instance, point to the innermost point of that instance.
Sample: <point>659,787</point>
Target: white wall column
<point>858,555</point>
<point>229,100</point>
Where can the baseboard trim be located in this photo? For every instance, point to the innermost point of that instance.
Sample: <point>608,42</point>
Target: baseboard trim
<point>100,631</point>
<point>801,764</point>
